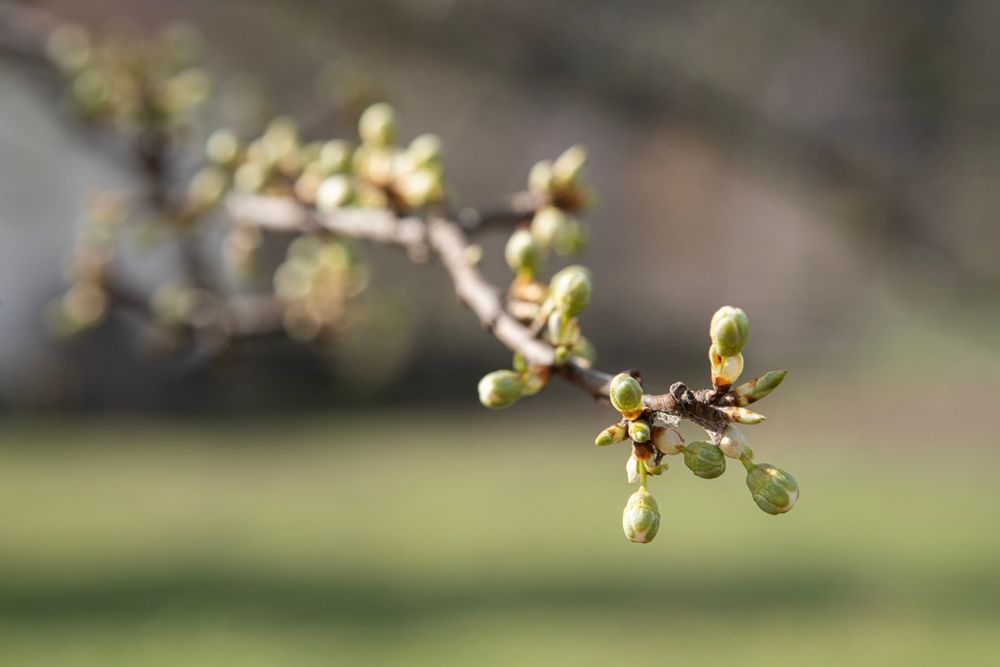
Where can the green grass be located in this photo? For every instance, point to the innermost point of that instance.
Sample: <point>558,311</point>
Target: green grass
<point>408,540</point>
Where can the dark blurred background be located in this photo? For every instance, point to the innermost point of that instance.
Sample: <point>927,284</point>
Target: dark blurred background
<point>830,167</point>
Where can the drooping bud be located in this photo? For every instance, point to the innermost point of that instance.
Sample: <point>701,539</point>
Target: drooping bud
<point>725,370</point>
<point>667,439</point>
<point>625,393</point>
<point>570,290</point>
<point>704,459</point>
<point>500,389</point>
<point>611,435</point>
<point>639,431</point>
<point>632,468</point>
<point>774,490</point>
<point>641,518</point>
<point>540,178</point>
<point>741,415</point>
<point>548,224</point>
<point>377,125</point>
<point>729,330</point>
<point>522,253</point>
<point>566,168</point>
<point>733,443</point>
<point>758,388</point>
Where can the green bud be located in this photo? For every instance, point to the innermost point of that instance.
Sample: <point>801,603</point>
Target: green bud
<point>758,388</point>
<point>639,431</point>
<point>641,518</point>
<point>667,439</point>
<point>377,125</point>
<point>207,187</point>
<point>625,393</point>
<point>424,150</point>
<point>570,290</point>
<point>534,380</point>
<point>774,490</point>
<point>611,435</point>
<point>522,253</point>
<point>222,147</point>
<point>421,187</point>
<point>333,193</point>
<point>566,168</point>
<point>520,364</point>
<point>704,459</point>
<point>540,178</point>
<point>733,443</point>
<point>335,156</point>
<point>548,225</point>
<point>729,330</point>
<point>725,370</point>
<point>741,415</point>
<point>571,239</point>
<point>500,389</point>
<point>250,177</point>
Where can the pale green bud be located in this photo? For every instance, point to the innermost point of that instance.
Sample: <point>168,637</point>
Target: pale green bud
<point>733,443</point>
<point>421,187</point>
<point>641,518</point>
<point>625,393</point>
<point>758,388</point>
<point>335,156</point>
<point>522,252</point>
<point>207,187</point>
<point>333,193</point>
<point>566,168</point>
<point>540,179</point>
<point>741,415</point>
<point>632,473</point>
<point>377,125</point>
<point>562,330</point>
<point>667,439</point>
<point>222,147</point>
<point>725,370</point>
<point>68,47</point>
<point>571,239</point>
<point>424,150</point>
<point>704,459</point>
<point>611,435</point>
<point>548,224</point>
<point>729,330</point>
<point>520,364</point>
<point>774,490</point>
<point>500,389</point>
<point>250,177</point>
<point>639,431</point>
<point>570,290</point>
<point>186,89</point>
<point>534,380</point>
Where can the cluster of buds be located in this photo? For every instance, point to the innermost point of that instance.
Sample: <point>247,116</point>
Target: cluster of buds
<point>654,435</point>
<point>133,83</point>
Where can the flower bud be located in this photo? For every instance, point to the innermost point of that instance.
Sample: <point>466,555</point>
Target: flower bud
<point>733,443</point>
<point>641,518</point>
<point>571,239</point>
<point>250,177</point>
<point>632,468</point>
<point>566,168</point>
<point>638,431</point>
<point>741,415</point>
<point>333,193</point>
<point>522,253</point>
<point>207,187</point>
<point>222,147</point>
<point>424,150</point>
<point>729,330</point>
<point>335,156</point>
<point>534,380</point>
<point>540,178</point>
<point>725,370</point>
<point>570,290</point>
<point>654,468</point>
<point>611,435</point>
<point>500,389</point>
<point>562,330</point>
<point>667,439</point>
<point>773,489</point>
<point>704,459</point>
<point>377,125</point>
<point>758,388</point>
<point>548,224</point>
<point>421,187</point>
<point>625,393</point>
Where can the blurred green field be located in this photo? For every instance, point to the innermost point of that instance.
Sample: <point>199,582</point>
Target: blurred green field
<point>404,539</point>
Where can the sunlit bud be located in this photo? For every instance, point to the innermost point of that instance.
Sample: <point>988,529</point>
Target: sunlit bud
<point>522,253</point>
<point>611,435</point>
<point>566,168</point>
<point>377,125</point>
<point>534,380</point>
<point>375,164</point>
<point>733,443</point>
<point>186,89</point>
<point>333,193</point>
<point>704,459</point>
<point>758,388</point>
<point>500,389</point>
<point>639,431</point>
<point>222,147</point>
<point>250,177</point>
<point>570,290</point>
<point>572,238</point>
<point>667,439</point>
<point>641,518</point>
<point>207,187</point>
<point>370,196</point>
<point>729,330</point>
<point>725,370</point>
<point>424,150</point>
<point>308,183</point>
<point>625,393</point>
<point>335,156</point>
<point>548,224</point>
<point>421,187</point>
<point>69,47</point>
<point>583,352</point>
<point>774,490</point>
<point>741,415</point>
<point>632,473</point>
<point>540,179</point>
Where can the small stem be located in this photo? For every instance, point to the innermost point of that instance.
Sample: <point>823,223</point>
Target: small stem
<point>642,475</point>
